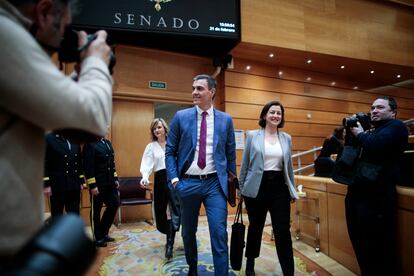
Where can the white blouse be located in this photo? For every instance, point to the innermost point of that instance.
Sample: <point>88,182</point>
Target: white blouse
<point>152,159</point>
<point>273,157</point>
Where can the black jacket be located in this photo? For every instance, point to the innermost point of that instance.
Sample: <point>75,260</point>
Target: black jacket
<point>384,146</point>
<point>63,167</point>
<point>99,164</point>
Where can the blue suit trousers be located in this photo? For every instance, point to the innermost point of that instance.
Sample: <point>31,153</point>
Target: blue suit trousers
<point>193,192</point>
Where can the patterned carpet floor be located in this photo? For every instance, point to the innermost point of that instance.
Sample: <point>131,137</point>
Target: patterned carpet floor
<point>139,250</point>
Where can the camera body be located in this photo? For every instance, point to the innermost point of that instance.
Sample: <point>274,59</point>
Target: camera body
<point>363,118</point>
<point>70,52</point>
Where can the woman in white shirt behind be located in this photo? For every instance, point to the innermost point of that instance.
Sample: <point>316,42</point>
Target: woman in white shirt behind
<point>267,184</point>
<point>166,203</point>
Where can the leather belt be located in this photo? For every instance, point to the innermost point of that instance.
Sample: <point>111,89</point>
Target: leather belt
<point>201,177</point>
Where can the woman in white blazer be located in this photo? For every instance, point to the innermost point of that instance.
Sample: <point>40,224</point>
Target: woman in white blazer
<point>267,184</point>
<point>166,203</point>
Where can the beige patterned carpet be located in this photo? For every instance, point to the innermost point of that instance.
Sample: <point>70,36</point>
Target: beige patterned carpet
<point>139,250</point>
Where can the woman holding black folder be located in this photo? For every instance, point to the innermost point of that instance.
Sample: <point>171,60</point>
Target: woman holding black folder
<point>267,184</point>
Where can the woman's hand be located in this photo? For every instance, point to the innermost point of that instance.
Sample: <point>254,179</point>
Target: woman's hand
<point>144,183</point>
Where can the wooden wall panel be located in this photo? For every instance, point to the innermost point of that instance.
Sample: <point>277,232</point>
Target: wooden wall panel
<point>136,66</point>
<point>352,28</point>
<point>340,247</point>
<point>405,234</point>
<point>250,111</point>
<point>320,97</point>
<point>130,134</point>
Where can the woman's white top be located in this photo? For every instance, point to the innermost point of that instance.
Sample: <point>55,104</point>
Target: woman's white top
<point>152,159</point>
<point>273,157</point>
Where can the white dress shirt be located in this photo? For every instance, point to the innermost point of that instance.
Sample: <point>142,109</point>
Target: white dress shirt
<point>209,168</point>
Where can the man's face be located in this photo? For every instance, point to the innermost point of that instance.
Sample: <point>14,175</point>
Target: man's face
<point>51,24</point>
<point>381,110</point>
<point>202,96</point>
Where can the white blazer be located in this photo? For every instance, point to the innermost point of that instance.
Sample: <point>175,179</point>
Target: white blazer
<point>251,170</point>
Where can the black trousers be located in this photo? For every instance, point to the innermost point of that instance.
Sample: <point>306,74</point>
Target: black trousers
<point>164,198</point>
<point>66,200</point>
<point>371,221</point>
<point>274,197</point>
<point>109,196</point>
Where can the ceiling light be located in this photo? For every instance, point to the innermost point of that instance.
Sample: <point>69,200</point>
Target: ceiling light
<point>309,61</point>
<point>398,76</point>
<point>356,87</point>
<point>342,67</point>
<point>280,73</point>
<point>308,79</point>
<point>333,83</point>
<point>271,55</point>
<point>372,71</point>
<point>248,67</point>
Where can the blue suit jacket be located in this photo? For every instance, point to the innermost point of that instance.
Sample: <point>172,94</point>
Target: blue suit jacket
<point>182,142</point>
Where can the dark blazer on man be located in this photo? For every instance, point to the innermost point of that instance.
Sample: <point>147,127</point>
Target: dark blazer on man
<point>100,173</point>
<point>99,164</point>
<point>63,167</point>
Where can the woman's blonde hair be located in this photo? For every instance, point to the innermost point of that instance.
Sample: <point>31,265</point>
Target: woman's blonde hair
<point>154,123</point>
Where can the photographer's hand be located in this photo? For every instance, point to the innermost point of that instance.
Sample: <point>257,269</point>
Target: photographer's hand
<point>98,47</point>
<point>357,130</point>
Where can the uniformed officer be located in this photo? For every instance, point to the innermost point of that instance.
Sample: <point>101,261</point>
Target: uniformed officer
<point>63,177</point>
<point>103,184</point>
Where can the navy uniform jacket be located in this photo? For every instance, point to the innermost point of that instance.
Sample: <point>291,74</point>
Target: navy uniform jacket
<point>63,167</point>
<point>99,164</point>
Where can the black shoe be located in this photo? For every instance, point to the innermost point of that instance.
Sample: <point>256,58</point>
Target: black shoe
<point>192,271</point>
<point>108,239</point>
<point>168,251</point>
<point>250,272</point>
<point>250,267</point>
<point>101,243</point>
<point>170,241</point>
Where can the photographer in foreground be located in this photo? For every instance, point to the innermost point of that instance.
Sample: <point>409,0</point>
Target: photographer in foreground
<point>371,201</point>
<point>35,97</point>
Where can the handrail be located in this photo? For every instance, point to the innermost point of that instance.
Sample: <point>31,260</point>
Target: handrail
<point>408,121</point>
<point>303,168</point>
<point>299,169</point>
<point>306,152</point>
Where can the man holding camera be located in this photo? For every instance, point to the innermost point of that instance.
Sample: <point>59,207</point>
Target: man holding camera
<point>371,201</point>
<point>35,97</point>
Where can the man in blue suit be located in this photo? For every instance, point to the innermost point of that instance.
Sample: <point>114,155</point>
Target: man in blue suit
<point>199,155</point>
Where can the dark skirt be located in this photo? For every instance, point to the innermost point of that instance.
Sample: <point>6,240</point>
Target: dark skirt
<point>164,198</point>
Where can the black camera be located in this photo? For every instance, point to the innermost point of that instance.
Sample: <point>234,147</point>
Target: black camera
<point>59,248</point>
<point>363,118</point>
<point>70,52</point>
